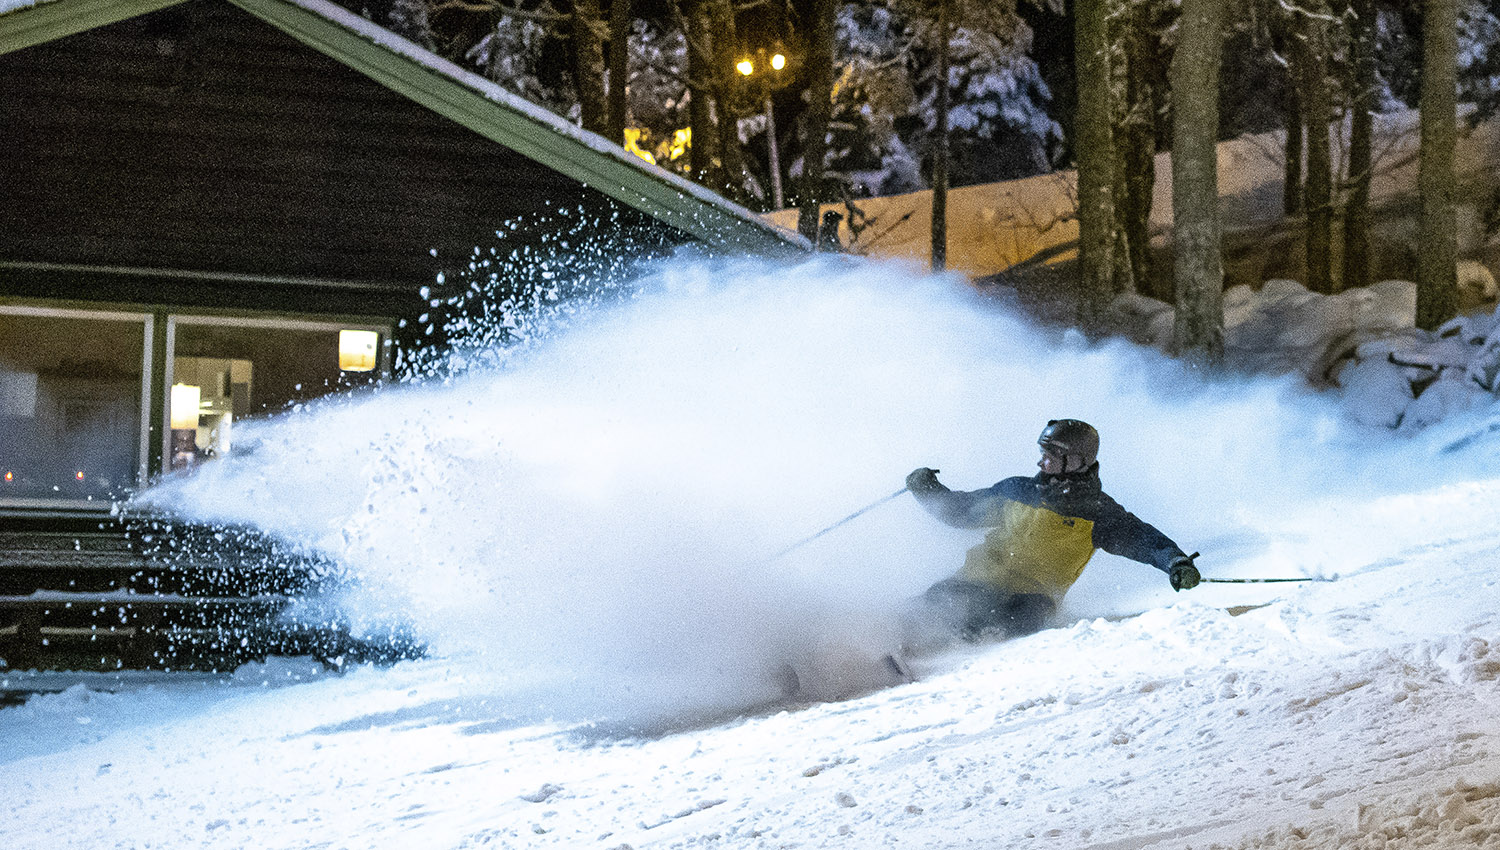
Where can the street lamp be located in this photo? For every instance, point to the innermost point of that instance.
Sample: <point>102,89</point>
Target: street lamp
<point>746,67</point>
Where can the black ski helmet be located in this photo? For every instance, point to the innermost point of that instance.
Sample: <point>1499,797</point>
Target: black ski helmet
<point>1071,438</point>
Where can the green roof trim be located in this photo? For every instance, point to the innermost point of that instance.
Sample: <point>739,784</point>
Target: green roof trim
<point>461,96</point>
<point>50,20</point>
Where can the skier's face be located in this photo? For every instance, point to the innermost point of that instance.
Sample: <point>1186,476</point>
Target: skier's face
<point>1051,463</point>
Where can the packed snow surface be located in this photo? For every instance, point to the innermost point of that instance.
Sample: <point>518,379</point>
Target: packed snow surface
<point>582,538</point>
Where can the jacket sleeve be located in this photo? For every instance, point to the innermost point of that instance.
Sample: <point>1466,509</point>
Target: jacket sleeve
<point>966,509</point>
<point>1120,532</point>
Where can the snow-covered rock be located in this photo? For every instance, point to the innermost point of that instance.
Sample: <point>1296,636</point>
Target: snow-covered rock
<point>1361,342</point>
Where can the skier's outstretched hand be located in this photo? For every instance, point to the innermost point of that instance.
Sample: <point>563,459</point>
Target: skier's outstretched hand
<point>923,480</point>
<point>1182,574</point>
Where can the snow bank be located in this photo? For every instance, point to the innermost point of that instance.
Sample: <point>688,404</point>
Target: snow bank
<point>1362,343</point>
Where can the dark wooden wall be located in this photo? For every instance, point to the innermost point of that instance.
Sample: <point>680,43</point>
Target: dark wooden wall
<point>199,138</point>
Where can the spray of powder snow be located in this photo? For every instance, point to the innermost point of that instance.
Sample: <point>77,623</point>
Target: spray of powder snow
<point>588,526</point>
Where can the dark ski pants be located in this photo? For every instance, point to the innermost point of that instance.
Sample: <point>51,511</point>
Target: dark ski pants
<point>971,609</point>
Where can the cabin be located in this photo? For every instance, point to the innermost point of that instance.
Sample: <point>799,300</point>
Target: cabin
<point>213,210</point>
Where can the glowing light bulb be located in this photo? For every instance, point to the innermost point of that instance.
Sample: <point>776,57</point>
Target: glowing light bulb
<point>10,476</point>
<point>357,350</point>
<point>78,475</point>
<point>184,406</point>
<point>746,67</point>
<point>778,61</point>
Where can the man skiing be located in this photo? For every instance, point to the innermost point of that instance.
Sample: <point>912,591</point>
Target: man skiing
<point>1044,530</point>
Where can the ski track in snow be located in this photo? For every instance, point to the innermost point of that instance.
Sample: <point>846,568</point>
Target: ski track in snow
<point>1355,713</point>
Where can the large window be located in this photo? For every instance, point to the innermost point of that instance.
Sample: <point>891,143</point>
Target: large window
<point>81,389</point>
<point>225,370</point>
<point>71,403</point>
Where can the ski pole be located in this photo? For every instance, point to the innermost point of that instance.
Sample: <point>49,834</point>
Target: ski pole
<point>806,540</point>
<point>1255,580</point>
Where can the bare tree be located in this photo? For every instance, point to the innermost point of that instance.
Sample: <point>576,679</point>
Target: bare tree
<point>818,61</point>
<point>703,159</point>
<point>1096,160</point>
<point>727,97</point>
<point>1437,251</point>
<point>940,147</point>
<point>1311,61</point>
<point>1356,270</point>
<point>619,68</point>
<point>1137,87</point>
<point>1296,131</point>
<point>588,64</point>
<point>1196,232</point>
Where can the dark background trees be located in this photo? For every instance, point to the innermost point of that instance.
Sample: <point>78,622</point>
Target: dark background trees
<point>857,109</point>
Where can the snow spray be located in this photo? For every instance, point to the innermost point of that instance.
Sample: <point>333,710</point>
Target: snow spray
<point>570,524</point>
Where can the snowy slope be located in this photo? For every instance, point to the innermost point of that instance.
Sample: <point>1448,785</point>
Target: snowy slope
<point>601,674</point>
<point>1356,710</point>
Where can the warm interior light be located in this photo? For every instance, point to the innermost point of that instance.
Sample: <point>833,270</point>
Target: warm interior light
<point>746,67</point>
<point>78,475</point>
<point>778,61</point>
<point>10,476</point>
<point>185,398</point>
<point>357,350</point>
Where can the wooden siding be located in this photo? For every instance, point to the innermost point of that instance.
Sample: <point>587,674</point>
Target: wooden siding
<point>199,138</point>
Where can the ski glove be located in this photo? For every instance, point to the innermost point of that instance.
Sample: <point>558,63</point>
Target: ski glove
<point>1182,573</point>
<point>923,480</point>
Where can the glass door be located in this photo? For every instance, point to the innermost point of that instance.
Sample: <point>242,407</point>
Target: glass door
<point>72,404</point>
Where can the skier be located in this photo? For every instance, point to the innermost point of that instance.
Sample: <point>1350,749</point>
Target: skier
<point>1044,530</point>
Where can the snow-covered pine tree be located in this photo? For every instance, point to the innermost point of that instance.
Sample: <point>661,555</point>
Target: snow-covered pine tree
<point>885,103</point>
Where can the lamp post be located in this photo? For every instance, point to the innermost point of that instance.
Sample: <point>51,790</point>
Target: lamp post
<point>747,68</point>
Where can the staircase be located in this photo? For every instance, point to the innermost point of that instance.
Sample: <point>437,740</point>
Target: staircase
<point>100,593</point>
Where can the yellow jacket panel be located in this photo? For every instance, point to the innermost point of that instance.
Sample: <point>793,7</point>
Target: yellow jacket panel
<point>1044,530</point>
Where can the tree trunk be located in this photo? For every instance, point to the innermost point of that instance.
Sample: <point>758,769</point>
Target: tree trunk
<point>1291,195</point>
<point>819,65</point>
<point>1135,151</point>
<point>1096,159</point>
<point>1316,110</point>
<point>940,148</point>
<point>1198,268</point>
<point>727,98</point>
<point>1356,270</point>
<point>619,68</point>
<point>588,65</point>
<point>1437,252</point>
<point>702,134</point>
